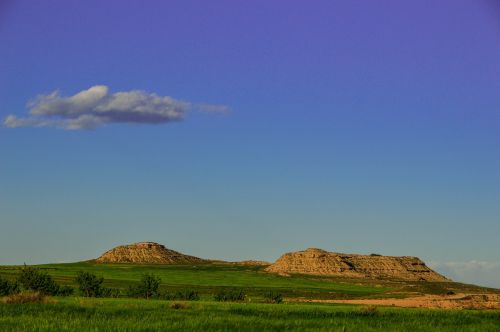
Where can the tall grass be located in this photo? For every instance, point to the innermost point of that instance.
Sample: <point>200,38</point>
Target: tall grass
<point>25,297</point>
<point>71,314</point>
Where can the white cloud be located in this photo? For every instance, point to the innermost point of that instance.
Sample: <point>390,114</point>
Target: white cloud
<point>484,273</point>
<point>96,107</point>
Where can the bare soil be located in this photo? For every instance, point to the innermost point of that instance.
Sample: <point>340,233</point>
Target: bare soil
<point>455,301</point>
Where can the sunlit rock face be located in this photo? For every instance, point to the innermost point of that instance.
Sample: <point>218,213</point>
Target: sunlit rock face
<point>321,262</point>
<point>146,253</point>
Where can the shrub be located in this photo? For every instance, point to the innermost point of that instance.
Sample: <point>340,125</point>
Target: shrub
<point>273,297</point>
<point>39,281</point>
<point>147,287</point>
<point>110,292</point>
<point>232,295</point>
<point>29,297</point>
<point>65,290</point>
<point>186,295</point>
<point>7,287</point>
<point>89,284</point>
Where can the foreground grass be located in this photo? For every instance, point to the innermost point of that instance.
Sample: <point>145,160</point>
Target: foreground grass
<point>78,314</point>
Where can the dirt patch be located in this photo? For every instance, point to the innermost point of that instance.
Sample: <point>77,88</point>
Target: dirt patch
<point>456,301</point>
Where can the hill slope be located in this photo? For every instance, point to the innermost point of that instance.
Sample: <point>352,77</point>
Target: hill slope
<point>321,262</point>
<point>146,253</point>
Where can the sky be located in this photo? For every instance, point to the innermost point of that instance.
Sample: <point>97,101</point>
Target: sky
<point>243,130</point>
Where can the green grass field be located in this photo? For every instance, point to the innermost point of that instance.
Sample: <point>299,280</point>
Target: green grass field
<point>78,314</point>
<point>127,314</point>
<point>207,278</point>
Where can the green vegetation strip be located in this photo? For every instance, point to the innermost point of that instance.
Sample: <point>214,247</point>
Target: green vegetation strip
<point>79,314</point>
<point>206,279</point>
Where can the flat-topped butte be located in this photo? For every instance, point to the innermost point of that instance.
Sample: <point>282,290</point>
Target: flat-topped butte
<point>146,253</point>
<point>320,262</point>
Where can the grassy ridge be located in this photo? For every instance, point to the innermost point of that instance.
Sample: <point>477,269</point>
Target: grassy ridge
<point>207,278</point>
<point>77,314</point>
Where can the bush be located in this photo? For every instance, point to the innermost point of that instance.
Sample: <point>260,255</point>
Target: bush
<point>38,281</point>
<point>29,297</point>
<point>7,287</point>
<point>147,288</point>
<point>110,292</point>
<point>65,290</point>
<point>89,284</point>
<point>232,295</point>
<point>186,295</point>
<point>273,297</point>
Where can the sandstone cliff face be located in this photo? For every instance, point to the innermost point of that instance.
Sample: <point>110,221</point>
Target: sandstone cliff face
<point>146,253</point>
<point>321,262</point>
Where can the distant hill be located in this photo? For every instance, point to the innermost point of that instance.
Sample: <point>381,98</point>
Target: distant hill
<point>311,261</point>
<point>320,262</point>
<point>146,253</point>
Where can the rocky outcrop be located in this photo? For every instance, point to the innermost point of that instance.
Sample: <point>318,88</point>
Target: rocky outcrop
<point>146,253</point>
<point>321,262</point>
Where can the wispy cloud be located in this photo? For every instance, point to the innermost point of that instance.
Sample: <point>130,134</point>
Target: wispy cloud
<point>96,107</point>
<point>486,273</point>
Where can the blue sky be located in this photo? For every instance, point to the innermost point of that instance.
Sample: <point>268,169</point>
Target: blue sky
<point>354,126</point>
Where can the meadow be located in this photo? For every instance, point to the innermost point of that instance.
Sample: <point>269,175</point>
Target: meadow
<point>84,314</point>
<point>77,313</point>
<point>207,279</point>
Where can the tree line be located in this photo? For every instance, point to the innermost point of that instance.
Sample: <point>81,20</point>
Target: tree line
<point>90,285</point>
